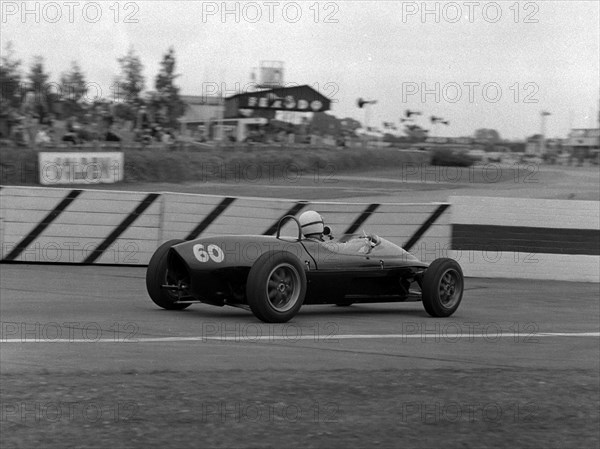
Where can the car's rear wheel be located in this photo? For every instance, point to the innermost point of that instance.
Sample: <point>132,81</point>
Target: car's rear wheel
<point>158,275</point>
<point>276,287</point>
<point>442,286</point>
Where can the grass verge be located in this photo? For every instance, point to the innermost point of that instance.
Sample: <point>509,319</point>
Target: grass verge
<point>19,166</point>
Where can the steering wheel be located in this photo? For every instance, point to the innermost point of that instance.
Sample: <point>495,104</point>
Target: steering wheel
<point>373,239</point>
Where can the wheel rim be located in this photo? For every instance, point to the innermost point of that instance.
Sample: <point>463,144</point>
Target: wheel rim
<point>283,287</point>
<point>170,280</point>
<point>450,288</point>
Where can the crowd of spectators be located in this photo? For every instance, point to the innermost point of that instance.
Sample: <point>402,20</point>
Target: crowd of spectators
<point>35,125</point>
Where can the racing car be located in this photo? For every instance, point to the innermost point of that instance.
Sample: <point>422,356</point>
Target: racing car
<point>273,276</point>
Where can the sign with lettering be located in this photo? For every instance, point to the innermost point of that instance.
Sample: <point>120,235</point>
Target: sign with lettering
<point>289,102</point>
<point>296,98</point>
<point>80,168</point>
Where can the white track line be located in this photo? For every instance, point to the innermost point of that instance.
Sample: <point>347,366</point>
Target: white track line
<point>521,337</point>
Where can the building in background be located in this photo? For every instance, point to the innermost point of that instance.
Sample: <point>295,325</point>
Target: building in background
<point>293,105</point>
<point>583,143</point>
<point>271,74</point>
<point>533,145</point>
<point>201,112</point>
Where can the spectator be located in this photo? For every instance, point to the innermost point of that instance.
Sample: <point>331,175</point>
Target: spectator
<point>111,136</point>
<point>142,121</point>
<point>70,125</point>
<point>71,138</point>
<point>166,138</point>
<point>42,136</point>
<point>19,134</point>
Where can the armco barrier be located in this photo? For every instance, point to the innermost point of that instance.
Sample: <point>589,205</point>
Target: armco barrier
<point>490,237</point>
<point>78,226</point>
<point>527,238</point>
<point>420,227</point>
<point>114,227</point>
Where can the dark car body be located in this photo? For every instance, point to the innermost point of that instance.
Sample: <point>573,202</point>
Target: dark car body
<point>274,276</point>
<point>333,274</point>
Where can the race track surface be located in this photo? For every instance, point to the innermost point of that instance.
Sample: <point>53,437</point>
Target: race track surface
<point>87,360</point>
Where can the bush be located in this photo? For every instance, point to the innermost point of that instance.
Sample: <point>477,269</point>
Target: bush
<point>449,158</point>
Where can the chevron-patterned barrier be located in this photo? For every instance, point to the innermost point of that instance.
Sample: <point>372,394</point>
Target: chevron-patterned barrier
<point>113,227</point>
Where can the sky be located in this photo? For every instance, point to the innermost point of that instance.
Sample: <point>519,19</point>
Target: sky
<point>477,64</point>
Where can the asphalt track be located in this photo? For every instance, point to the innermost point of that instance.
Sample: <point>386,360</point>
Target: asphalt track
<point>88,335</point>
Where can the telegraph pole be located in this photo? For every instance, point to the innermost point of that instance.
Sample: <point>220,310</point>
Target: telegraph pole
<point>365,104</point>
<point>543,116</point>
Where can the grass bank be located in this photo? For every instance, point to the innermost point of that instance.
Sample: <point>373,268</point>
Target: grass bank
<point>19,166</point>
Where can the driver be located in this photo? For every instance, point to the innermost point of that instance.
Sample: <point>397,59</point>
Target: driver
<point>313,227</point>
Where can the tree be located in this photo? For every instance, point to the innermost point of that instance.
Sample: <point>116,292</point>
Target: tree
<point>38,78</point>
<point>167,98</point>
<point>484,135</point>
<point>36,101</point>
<point>131,82</point>
<point>325,124</point>
<point>73,83</point>
<point>10,80</point>
<point>350,125</point>
<point>415,133</point>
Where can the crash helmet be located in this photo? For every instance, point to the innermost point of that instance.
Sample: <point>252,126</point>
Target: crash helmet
<point>311,223</point>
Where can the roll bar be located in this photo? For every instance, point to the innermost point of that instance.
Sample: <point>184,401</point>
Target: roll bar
<point>286,218</point>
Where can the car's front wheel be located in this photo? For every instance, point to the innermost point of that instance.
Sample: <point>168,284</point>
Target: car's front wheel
<point>158,275</point>
<point>276,287</point>
<point>442,286</point>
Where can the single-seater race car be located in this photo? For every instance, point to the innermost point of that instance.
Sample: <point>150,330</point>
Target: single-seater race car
<point>274,276</point>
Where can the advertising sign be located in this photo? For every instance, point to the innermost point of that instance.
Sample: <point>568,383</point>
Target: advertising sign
<point>81,168</point>
<point>289,102</point>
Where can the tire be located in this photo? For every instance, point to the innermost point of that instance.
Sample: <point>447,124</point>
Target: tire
<point>156,276</point>
<point>443,286</point>
<point>276,287</point>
